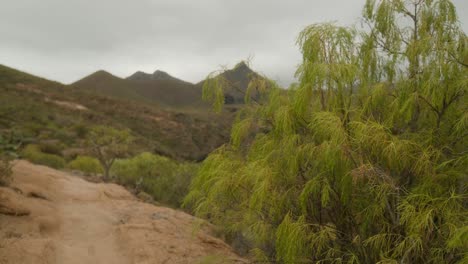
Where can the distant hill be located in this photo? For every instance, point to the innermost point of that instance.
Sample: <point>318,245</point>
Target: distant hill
<point>158,88</point>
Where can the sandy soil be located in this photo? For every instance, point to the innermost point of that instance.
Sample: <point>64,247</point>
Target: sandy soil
<point>49,216</point>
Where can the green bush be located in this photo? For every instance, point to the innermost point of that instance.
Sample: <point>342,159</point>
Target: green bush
<point>81,130</point>
<point>5,170</point>
<point>86,164</point>
<point>51,147</point>
<point>34,154</point>
<point>365,160</point>
<point>164,179</point>
<point>10,141</point>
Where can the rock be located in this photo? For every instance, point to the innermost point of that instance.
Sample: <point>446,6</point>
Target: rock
<point>11,203</point>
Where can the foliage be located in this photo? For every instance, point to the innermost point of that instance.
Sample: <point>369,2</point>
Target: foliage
<point>107,144</point>
<point>9,144</point>
<point>33,153</point>
<point>6,170</point>
<point>164,179</point>
<point>234,86</point>
<point>86,164</point>
<point>365,160</point>
<point>51,147</point>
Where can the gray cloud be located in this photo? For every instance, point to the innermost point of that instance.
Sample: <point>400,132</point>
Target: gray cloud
<point>66,40</point>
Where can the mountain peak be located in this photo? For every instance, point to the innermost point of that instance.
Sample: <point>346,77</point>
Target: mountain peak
<point>158,75</point>
<point>99,75</point>
<point>162,75</point>
<point>242,66</point>
<point>139,76</point>
<point>102,73</point>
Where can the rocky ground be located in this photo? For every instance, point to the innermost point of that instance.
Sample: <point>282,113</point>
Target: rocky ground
<point>50,216</point>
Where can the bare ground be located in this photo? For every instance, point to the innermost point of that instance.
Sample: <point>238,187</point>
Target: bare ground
<point>49,216</point>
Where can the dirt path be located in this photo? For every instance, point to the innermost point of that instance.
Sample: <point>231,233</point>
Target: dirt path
<point>88,232</point>
<point>48,216</point>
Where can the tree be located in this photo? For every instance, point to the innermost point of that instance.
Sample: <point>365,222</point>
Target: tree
<point>422,45</point>
<point>107,144</point>
<point>365,160</point>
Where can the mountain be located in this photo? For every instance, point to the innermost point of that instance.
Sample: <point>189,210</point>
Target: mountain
<point>239,78</point>
<point>157,75</point>
<point>105,83</point>
<point>158,88</point>
<point>165,90</point>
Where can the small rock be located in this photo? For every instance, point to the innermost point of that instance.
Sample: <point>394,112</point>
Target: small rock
<point>145,197</point>
<point>158,216</point>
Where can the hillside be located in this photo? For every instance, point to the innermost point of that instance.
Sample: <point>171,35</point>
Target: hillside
<point>48,216</point>
<point>165,115</point>
<point>40,110</point>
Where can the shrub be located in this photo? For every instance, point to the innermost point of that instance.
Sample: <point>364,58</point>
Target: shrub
<point>164,179</point>
<point>9,144</point>
<point>5,170</point>
<point>51,147</point>
<point>34,154</point>
<point>86,164</point>
<point>81,130</point>
<point>365,160</point>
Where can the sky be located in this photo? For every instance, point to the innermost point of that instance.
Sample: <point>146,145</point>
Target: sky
<point>68,40</point>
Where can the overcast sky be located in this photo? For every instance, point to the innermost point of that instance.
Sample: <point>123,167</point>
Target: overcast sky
<point>65,40</point>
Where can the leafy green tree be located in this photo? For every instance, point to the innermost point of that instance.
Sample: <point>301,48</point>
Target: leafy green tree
<point>364,161</point>
<point>86,164</point>
<point>107,144</point>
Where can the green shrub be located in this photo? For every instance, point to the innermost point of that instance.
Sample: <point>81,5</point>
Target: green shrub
<point>86,164</point>
<point>164,179</point>
<point>81,130</point>
<point>10,141</point>
<point>51,147</point>
<point>365,160</point>
<point>5,170</point>
<point>34,154</point>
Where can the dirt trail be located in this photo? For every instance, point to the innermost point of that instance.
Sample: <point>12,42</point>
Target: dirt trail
<point>49,216</point>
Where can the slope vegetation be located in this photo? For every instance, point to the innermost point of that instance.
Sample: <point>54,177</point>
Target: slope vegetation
<point>41,110</point>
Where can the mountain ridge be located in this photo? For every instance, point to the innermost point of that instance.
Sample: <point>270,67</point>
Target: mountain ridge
<point>156,75</point>
<point>165,90</point>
